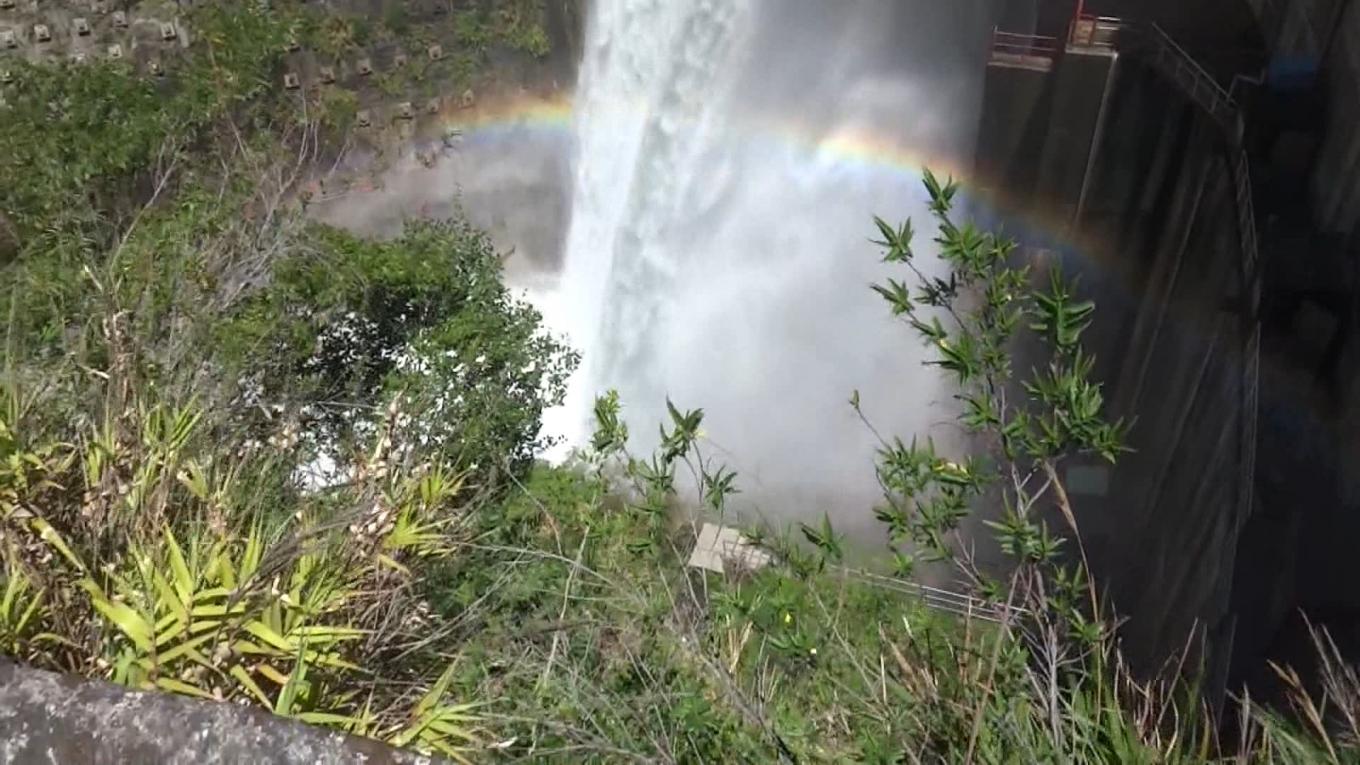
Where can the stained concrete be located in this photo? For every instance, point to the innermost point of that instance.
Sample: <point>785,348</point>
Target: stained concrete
<point>1143,211</point>
<point>1177,544</point>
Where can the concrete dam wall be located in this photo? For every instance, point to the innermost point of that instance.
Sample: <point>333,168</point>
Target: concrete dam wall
<point>1173,150</point>
<point>1148,218</point>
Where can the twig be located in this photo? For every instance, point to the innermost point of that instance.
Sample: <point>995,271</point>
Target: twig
<point>562,614</point>
<point>991,669</point>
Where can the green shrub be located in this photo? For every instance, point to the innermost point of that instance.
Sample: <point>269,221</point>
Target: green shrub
<point>348,323</point>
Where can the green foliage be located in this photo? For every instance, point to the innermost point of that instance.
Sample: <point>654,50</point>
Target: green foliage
<point>516,24</point>
<point>350,323</point>
<point>173,580</point>
<point>338,108</point>
<point>183,342</point>
<point>397,20</point>
<point>602,647</point>
<point>970,320</point>
<point>333,35</point>
<point>88,145</point>
<point>21,611</point>
<point>75,135</point>
<point>70,130</point>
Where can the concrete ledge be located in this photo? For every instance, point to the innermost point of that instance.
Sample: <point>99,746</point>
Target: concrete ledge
<point>720,549</point>
<point>1021,61</point>
<point>46,717</point>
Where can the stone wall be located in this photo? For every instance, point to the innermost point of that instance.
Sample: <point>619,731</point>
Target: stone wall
<point>1161,257</point>
<point>148,34</point>
<point>1297,551</point>
<point>1156,236</point>
<point>45,717</point>
<point>410,76</point>
<point>1144,212</point>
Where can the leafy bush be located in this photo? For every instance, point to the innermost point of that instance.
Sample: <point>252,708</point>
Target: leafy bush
<point>139,556</point>
<point>76,136</point>
<point>181,358</point>
<point>348,323</point>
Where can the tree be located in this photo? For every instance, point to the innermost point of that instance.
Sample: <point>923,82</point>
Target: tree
<point>348,324</point>
<point>972,320</point>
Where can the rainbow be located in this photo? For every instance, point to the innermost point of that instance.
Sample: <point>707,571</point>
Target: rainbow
<point>857,151</point>
<point>550,113</point>
<point>554,114</point>
<point>864,151</point>
<point>507,118</point>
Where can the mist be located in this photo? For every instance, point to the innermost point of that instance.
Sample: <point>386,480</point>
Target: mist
<point>730,157</point>
<point>701,232</point>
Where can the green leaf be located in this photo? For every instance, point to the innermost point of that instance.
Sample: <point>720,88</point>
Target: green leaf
<point>187,648</point>
<point>897,295</point>
<point>313,633</point>
<point>329,718</point>
<point>288,696</point>
<point>54,539</point>
<point>127,620</point>
<point>266,633</point>
<point>239,673</point>
<point>169,599</point>
<point>437,691</point>
<point>183,688</point>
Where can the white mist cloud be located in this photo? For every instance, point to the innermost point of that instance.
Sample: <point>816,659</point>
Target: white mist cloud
<point>737,264</point>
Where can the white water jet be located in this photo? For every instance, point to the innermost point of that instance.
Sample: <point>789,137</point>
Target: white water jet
<point>730,157</point>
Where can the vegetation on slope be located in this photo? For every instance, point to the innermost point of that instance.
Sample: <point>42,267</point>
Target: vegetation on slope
<point>248,458</point>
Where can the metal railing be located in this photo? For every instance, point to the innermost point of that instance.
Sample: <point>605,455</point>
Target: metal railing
<point>1246,212</point>
<point>1013,44</point>
<point>942,600</point>
<point>1196,82</point>
<point>1100,32</point>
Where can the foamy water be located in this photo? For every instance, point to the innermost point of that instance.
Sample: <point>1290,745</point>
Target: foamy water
<point>714,260</point>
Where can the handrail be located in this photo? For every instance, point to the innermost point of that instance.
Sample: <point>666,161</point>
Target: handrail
<point>1013,43</point>
<point>946,601</point>
<point>1196,82</point>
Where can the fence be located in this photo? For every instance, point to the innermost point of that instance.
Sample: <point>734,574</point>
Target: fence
<point>1195,82</point>
<point>1011,43</point>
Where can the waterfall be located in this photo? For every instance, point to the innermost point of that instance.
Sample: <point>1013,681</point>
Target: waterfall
<point>650,70</point>
<point>730,155</point>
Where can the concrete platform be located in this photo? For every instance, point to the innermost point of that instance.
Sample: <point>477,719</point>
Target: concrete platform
<point>721,549</point>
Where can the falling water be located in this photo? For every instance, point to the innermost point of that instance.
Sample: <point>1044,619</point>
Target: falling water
<point>730,155</point>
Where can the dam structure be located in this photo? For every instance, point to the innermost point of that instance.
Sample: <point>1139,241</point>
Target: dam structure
<point>1194,164</point>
